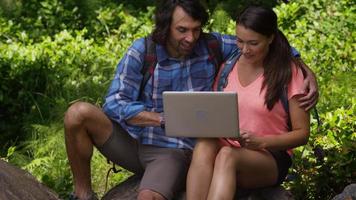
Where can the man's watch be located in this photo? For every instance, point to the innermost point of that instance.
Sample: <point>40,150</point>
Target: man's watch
<point>161,120</point>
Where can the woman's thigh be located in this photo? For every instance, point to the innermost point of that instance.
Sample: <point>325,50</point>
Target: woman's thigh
<point>205,151</point>
<point>254,168</point>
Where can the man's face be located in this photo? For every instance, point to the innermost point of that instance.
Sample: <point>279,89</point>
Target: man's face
<point>183,34</point>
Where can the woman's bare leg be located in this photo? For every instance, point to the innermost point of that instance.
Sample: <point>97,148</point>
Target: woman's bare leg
<point>201,169</point>
<point>241,167</point>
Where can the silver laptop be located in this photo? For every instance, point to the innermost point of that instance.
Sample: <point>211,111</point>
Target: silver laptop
<point>201,114</point>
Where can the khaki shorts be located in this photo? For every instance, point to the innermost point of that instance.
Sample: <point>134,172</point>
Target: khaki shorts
<point>163,170</point>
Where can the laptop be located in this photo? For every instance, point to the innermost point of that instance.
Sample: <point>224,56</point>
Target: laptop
<point>201,114</point>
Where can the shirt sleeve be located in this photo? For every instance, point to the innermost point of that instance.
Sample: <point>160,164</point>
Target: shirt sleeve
<point>121,102</point>
<point>295,52</point>
<point>296,85</point>
<point>227,44</point>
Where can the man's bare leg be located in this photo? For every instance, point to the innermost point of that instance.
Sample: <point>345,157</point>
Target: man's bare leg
<point>85,125</point>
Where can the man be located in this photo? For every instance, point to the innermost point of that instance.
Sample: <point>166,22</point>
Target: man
<point>128,128</point>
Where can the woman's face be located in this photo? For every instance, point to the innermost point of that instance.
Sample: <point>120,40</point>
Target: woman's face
<point>254,46</point>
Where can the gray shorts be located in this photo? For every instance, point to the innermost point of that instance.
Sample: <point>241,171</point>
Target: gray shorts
<point>163,170</point>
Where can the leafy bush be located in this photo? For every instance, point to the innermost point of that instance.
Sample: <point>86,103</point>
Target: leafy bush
<point>43,72</point>
<point>55,52</point>
<point>323,178</point>
<point>60,68</point>
<point>323,31</point>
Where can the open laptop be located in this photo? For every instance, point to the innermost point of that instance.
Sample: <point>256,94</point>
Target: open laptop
<point>201,114</point>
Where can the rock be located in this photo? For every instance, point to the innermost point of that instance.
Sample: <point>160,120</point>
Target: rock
<point>349,193</point>
<point>17,184</point>
<point>271,193</point>
<point>127,190</point>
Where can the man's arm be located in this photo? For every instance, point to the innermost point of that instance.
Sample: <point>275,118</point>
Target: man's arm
<point>310,87</point>
<point>146,118</point>
<point>121,102</point>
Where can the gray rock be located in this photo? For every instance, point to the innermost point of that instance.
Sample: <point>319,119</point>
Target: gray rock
<point>17,184</point>
<point>349,193</point>
<point>128,189</point>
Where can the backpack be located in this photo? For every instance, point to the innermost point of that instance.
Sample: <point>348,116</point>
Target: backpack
<point>150,57</point>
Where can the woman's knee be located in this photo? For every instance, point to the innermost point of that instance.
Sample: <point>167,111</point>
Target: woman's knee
<point>225,157</point>
<point>205,151</point>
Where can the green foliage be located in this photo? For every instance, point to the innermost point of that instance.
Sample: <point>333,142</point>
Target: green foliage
<point>333,59</point>
<point>49,58</point>
<point>233,7</point>
<point>44,156</point>
<point>53,53</point>
<point>221,22</point>
<point>323,31</point>
<point>327,177</point>
<point>60,68</point>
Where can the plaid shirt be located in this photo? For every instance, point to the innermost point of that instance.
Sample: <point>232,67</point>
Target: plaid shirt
<point>195,73</point>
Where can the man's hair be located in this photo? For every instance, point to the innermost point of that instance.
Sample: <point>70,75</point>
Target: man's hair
<point>277,63</point>
<point>164,13</point>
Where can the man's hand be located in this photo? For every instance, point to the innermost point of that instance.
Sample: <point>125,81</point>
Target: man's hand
<point>310,88</point>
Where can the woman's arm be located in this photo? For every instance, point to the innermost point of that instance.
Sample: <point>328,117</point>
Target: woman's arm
<point>300,129</point>
<point>297,137</point>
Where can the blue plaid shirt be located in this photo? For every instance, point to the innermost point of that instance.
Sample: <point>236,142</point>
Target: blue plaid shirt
<point>195,73</point>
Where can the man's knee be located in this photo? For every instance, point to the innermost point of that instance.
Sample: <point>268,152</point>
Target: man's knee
<point>77,113</point>
<point>147,194</point>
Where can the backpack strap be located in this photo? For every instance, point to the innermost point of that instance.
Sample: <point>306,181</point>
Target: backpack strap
<point>285,104</point>
<point>149,62</point>
<point>214,51</point>
<point>225,69</point>
<point>150,57</point>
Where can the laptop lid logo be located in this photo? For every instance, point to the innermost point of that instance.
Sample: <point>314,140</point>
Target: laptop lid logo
<point>201,115</point>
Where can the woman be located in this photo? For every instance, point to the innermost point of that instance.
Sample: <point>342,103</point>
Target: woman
<point>261,156</point>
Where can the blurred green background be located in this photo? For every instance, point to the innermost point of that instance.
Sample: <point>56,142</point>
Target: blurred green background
<point>54,52</point>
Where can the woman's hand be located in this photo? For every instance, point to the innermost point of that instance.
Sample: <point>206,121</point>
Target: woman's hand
<point>251,141</point>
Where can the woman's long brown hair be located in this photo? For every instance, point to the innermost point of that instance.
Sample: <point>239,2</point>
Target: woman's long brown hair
<point>277,63</point>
